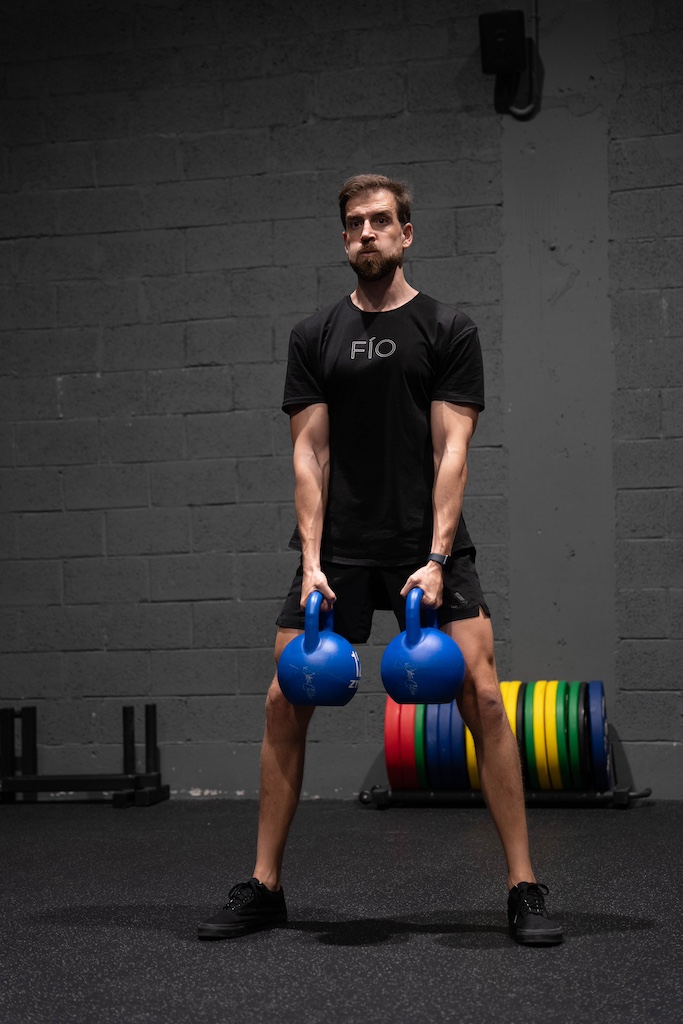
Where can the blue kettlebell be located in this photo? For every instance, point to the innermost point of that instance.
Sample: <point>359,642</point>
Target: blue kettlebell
<point>318,667</point>
<point>422,665</point>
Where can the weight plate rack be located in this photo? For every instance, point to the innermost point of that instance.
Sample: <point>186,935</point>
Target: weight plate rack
<point>561,730</point>
<point>19,772</point>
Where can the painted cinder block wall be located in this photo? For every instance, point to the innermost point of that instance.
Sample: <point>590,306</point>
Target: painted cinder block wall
<point>168,175</point>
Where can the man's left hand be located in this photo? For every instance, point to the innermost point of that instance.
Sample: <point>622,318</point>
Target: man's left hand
<point>429,578</point>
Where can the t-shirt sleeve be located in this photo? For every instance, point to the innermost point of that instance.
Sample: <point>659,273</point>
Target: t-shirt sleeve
<point>460,369</point>
<point>302,380</point>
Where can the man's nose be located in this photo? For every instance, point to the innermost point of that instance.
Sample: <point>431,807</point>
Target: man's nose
<point>367,231</point>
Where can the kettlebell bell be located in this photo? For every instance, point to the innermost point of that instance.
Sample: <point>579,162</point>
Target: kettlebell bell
<point>319,667</point>
<point>422,665</point>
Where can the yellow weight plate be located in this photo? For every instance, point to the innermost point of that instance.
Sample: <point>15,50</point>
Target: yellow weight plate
<point>539,734</point>
<point>551,748</point>
<point>471,755</point>
<point>510,692</point>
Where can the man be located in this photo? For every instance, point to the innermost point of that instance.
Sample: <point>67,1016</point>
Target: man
<point>383,391</point>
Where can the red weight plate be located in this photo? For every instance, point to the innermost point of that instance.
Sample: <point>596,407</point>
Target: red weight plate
<point>392,754</point>
<point>406,732</point>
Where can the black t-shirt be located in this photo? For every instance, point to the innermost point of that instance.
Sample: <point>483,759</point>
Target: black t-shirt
<point>378,373</point>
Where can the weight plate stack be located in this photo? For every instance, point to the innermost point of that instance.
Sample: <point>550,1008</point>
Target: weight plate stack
<point>560,728</point>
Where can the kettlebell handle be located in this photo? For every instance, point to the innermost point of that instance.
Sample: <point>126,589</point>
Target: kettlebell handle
<point>312,621</point>
<point>413,627</point>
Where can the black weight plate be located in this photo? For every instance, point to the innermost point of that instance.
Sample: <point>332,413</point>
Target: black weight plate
<point>458,754</point>
<point>520,733</point>
<point>584,763</point>
<point>446,766</point>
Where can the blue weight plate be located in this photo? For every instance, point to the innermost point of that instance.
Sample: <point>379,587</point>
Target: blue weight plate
<point>445,753</point>
<point>458,755</point>
<point>599,737</point>
<point>432,745</point>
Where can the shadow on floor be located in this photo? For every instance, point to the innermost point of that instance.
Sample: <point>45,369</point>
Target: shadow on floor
<point>488,932</point>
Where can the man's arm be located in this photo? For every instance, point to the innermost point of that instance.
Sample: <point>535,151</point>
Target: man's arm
<point>452,429</point>
<point>310,427</point>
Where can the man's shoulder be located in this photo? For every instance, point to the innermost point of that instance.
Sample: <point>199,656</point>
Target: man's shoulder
<point>454,320</point>
<point>314,324</point>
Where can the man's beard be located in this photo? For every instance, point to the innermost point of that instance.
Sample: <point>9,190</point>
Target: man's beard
<point>374,266</point>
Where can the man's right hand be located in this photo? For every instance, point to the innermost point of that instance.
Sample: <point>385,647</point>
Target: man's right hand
<point>315,579</point>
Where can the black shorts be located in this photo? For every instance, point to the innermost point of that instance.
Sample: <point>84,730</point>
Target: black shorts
<point>361,589</point>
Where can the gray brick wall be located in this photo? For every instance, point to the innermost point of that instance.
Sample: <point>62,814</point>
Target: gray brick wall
<point>646,221</point>
<point>167,212</point>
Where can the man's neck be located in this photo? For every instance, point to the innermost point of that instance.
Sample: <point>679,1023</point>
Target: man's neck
<point>381,296</point>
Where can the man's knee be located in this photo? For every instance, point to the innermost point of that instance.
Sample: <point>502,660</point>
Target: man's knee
<point>276,702</point>
<point>481,706</point>
<point>280,714</point>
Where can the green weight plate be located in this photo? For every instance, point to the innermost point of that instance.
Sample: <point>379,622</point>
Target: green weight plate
<point>573,734</point>
<point>432,745</point>
<point>406,743</point>
<point>420,759</point>
<point>562,738</point>
<point>530,759</point>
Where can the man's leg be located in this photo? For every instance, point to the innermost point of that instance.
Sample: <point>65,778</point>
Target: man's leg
<point>481,706</point>
<point>500,773</point>
<point>260,901</point>
<point>282,769</point>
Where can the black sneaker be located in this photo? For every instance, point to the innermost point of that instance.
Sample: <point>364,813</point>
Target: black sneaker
<point>250,906</point>
<point>529,923</point>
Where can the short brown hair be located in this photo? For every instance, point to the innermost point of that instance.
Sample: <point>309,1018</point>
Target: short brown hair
<point>371,183</point>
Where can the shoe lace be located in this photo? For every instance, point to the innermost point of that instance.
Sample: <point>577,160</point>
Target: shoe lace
<point>531,899</point>
<point>240,895</point>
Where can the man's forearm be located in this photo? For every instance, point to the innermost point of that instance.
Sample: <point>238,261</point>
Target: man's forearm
<point>447,497</point>
<point>310,502</point>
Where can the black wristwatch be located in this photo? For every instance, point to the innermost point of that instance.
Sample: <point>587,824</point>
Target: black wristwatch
<point>434,556</point>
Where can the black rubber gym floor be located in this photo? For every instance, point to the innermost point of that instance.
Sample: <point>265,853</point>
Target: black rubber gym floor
<point>395,916</point>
